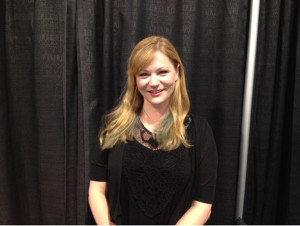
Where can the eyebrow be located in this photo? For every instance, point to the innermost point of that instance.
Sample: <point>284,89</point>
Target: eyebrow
<point>158,69</point>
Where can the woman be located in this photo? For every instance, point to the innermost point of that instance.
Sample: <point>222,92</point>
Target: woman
<point>157,163</point>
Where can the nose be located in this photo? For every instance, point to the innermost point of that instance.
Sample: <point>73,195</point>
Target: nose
<point>154,81</point>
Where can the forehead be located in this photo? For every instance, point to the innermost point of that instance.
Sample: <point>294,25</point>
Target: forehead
<point>159,60</point>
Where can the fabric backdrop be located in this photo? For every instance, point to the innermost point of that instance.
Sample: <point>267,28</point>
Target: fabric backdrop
<point>273,180</point>
<point>63,65</point>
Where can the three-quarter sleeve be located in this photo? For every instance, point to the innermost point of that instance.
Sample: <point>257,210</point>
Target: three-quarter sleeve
<point>206,164</point>
<point>99,162</point>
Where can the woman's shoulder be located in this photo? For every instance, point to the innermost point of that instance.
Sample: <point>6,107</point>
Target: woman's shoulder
<point>200,126</point>
<point>204,136</point>
<point>198,121</point>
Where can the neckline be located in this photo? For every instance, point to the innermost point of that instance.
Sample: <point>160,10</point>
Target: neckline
<point>144,128</point>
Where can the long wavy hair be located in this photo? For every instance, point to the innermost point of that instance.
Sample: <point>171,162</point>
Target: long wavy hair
<point>120,123</point>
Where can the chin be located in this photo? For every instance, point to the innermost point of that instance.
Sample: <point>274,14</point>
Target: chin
<point>157,103</point>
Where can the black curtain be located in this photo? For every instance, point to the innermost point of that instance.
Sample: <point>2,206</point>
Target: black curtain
<point>63,65</point>
<point>273,180</point>
<point>49,110</point>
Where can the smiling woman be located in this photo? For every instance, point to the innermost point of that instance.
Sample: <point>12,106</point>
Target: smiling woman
<point>157,163</point>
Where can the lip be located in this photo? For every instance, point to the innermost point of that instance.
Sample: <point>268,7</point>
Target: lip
<point>155,93</point>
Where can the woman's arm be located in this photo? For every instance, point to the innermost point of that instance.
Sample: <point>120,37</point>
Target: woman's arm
<point>98,202</point>
<point>197,214</point>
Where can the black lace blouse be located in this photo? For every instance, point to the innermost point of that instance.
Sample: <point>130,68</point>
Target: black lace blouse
<point>152,180</point>
<point>150,186</point>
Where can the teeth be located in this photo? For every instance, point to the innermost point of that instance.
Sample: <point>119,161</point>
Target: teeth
<point>155,91</point>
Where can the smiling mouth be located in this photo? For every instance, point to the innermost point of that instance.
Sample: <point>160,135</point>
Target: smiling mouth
<point>155,91</point>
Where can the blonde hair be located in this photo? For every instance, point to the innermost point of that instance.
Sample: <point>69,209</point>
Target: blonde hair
<point>121,121</point>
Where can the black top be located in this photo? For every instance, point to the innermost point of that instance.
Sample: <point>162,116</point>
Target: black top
<point>155,183</point>
<point>152,180</point>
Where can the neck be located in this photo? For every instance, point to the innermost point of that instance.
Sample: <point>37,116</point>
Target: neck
<point>151,117</point>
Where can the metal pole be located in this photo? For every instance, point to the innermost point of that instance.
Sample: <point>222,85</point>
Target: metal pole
<point>247,105</point>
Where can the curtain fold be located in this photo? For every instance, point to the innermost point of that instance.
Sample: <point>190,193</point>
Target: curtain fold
<point>34,53</point>
<point>44,163</point>
<point>8,193</point>
<point>89,22</point>
<point>272,195</point>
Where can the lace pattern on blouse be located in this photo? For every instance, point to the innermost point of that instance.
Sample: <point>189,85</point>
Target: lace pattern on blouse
<point>153,175</point>
<point>145,137</point>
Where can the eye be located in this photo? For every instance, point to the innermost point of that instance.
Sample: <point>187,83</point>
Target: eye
<point>163,72</point>
<point>143,74</point>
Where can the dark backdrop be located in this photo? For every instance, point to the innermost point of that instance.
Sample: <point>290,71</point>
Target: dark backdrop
<point>273,180</point>
<point>63,65</point>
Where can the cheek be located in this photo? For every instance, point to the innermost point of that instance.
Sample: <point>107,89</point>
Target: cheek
<point>168,81</point>
<point>141,84</point>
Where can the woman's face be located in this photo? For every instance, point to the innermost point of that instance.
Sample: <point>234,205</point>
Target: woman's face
<point>156,82</point>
